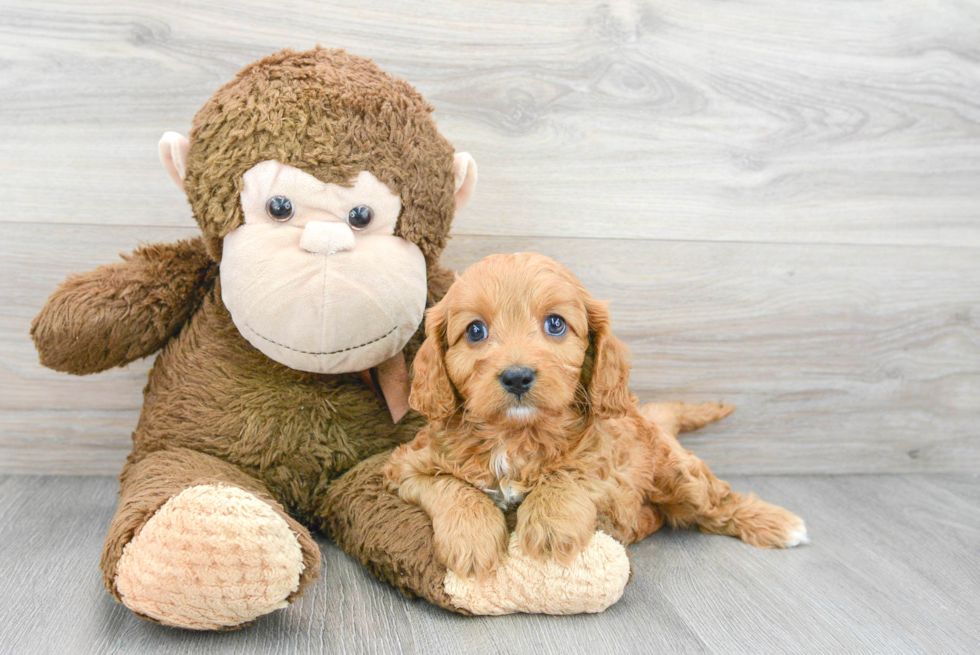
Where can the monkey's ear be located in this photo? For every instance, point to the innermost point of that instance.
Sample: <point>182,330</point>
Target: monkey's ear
<point>173,153</point>
<point>464,170</point>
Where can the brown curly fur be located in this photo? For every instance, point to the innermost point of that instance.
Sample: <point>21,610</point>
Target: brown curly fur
<point>122,312</point>
<point>576,446</point>
<point>215,409</point>
<point>329,114</point>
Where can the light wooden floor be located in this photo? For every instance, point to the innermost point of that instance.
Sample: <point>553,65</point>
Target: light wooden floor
<point>894,568</point>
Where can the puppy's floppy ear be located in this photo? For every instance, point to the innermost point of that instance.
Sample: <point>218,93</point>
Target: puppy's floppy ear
<point>433,395</point>
<point>607,383</point>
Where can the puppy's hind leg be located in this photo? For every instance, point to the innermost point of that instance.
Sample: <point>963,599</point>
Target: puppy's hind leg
<point>691,496</point>
<point>677,417</point>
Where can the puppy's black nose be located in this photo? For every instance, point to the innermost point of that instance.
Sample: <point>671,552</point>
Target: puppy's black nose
<point>517,379</point>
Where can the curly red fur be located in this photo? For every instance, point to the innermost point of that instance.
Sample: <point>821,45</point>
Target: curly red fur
<point>575,448</point>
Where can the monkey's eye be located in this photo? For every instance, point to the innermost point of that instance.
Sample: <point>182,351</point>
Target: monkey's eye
<point>360,217</point>
<point>476,331</point>
<point>279,208</point>
<point>554,325</point>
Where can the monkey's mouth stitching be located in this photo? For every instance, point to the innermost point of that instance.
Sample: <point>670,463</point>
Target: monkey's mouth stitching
<point>332,352</point>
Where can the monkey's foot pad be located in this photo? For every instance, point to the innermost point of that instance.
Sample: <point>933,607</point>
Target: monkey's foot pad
<point>212,557</point>
<point>591,583</point>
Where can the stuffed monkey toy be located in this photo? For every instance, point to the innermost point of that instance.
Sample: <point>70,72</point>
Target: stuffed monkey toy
<point>324,194</point>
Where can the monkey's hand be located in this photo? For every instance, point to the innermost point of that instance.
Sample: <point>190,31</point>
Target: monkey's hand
<point>120,312</point>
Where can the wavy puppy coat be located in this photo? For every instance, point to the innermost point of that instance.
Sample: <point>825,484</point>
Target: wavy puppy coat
<point>525,388</point>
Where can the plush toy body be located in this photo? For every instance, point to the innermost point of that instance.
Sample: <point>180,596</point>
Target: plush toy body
<point>324,194</point>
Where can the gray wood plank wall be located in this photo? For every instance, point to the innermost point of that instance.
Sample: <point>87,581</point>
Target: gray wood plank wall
<point>781,200</point>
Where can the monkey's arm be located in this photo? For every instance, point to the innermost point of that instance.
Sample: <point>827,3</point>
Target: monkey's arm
<point>121,312</point>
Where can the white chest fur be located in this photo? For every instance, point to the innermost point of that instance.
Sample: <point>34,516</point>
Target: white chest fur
<point>507,494</point>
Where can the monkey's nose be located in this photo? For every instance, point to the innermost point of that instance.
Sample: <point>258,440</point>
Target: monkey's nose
<point>517,379</point>
<point>323,238</point>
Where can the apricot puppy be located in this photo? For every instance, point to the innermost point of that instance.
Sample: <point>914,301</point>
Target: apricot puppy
<point>525,389</point>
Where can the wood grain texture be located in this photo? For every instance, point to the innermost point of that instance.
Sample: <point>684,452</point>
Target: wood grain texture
<point>893,568</point>
<point>756,120</point>
<point>839,363</point>
<point>781,200</point>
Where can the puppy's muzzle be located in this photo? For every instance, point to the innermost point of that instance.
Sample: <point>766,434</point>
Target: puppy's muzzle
<point>517,380</point>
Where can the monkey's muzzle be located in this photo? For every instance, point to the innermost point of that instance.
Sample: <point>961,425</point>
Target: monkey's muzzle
<point>322,238</point>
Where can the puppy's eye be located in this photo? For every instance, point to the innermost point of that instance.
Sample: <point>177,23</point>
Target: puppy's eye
<point>554,325</point>
<point>279,208</point>
<point>360,217</point>
<point>476,331</point>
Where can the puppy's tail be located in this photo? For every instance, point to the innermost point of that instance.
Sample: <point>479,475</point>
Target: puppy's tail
<point>679,417</point>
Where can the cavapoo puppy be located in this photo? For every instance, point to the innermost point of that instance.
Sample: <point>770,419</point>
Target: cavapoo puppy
<point>525,389</point>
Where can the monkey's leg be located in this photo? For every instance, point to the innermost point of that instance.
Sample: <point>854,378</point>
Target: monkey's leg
<point>394,540</point>
<point>198,543</point>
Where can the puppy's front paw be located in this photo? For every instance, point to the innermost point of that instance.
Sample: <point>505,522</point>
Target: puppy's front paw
<point>471,544</point>
<point>556,532</point>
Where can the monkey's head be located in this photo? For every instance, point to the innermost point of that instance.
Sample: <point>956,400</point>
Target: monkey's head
<point>325,191</point>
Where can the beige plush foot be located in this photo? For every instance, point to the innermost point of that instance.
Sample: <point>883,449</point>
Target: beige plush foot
<point>212,557</point>
<point>591,583</point>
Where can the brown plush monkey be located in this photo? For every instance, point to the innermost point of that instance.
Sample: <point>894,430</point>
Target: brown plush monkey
<point>324,194</point>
